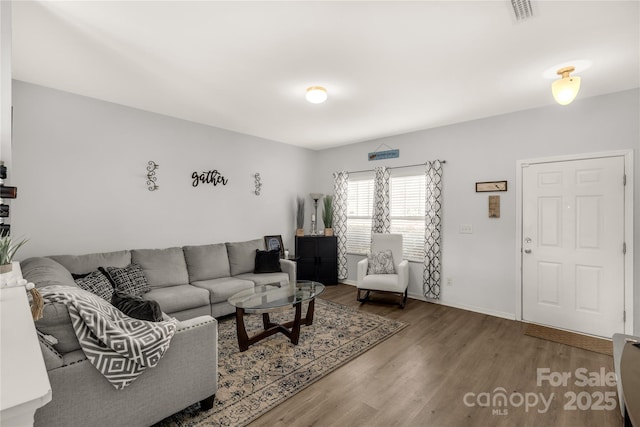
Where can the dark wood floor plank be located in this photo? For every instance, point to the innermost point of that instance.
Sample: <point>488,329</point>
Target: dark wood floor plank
<point>419,377</point>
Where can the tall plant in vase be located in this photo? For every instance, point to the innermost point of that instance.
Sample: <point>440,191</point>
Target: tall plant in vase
<point>300,217</point>
<point>327,215</point>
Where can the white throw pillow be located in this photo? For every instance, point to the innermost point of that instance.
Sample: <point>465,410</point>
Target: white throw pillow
<point>380,262</point>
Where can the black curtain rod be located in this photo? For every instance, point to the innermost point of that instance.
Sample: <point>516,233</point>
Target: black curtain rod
<point>396,167</point>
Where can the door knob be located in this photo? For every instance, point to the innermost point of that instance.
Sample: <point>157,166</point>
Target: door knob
<point>527,251</point>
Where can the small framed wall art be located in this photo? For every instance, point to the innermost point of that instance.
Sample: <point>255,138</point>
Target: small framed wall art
<point>483,187</point>
<point>273,243</point>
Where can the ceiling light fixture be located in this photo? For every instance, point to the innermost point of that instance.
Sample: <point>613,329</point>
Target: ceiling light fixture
<point>566,89</point>
<point>316,94</point>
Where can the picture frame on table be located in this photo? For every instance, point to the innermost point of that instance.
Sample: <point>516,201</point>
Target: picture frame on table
<point>274,242</point>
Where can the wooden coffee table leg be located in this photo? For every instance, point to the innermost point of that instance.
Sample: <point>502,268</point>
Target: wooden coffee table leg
<point>243,338</point>
<point>266,321</point>
<point>309,318</point>
<point>271,328</point>
<point>295,328</point>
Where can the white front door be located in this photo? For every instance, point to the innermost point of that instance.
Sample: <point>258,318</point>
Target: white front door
<point>572,245</point>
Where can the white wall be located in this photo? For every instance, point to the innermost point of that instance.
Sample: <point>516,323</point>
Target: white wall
<point>482,264</point>
<point>80,168</point>
<point>5,83</point>
<point>79,165</point>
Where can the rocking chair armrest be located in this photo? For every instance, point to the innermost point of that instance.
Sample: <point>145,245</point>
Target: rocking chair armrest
<point>403,273</point>
<point>362,270</point>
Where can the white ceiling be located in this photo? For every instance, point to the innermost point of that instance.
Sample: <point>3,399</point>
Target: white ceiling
<point>389,67</point>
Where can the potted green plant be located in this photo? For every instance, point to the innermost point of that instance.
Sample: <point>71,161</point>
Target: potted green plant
<point>327,215</point>
<point>300,217</point>
<point>8,249</point>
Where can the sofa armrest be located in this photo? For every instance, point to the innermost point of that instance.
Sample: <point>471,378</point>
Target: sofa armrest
<point>363,265</point>
<point>52,359</point>
<point>289,267</point>
<point>194,323</point>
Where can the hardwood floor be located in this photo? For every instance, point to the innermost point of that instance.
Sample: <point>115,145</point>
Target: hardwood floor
<point>421,375</point>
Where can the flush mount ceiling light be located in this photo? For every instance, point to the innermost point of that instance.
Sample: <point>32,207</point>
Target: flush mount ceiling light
<point>316,94</point>
<point>566,89</point>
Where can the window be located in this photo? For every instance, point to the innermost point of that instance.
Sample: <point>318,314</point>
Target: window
<point>359,214</point>
<point>407,200</point>
<point>406,195</point>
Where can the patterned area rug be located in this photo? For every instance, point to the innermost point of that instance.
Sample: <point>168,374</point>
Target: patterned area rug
<point>272,370</point>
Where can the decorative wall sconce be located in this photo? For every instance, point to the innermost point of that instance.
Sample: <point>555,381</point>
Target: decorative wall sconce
<point>151,175</point>
<point>257,183</point>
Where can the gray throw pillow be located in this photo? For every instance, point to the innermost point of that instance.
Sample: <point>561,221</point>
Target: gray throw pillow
<point>380,262</point>
<point>129,280</point>
<point>242,255</point>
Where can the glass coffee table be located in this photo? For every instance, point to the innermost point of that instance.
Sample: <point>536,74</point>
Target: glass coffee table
<point>265,299</point>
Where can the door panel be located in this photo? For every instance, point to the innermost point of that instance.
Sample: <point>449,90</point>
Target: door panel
<point>550,217</point>
<point>549,279</point>
<point>573,232</point>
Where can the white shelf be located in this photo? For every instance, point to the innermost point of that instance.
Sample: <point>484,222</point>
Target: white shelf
<point>25,385</point>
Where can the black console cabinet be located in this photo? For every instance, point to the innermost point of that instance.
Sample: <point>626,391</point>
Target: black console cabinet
<point>317,259</point>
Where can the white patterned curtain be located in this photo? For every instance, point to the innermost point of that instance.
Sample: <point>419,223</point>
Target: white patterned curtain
<point>432,221</point>
<point>340,191</point>
<point>381,221</point>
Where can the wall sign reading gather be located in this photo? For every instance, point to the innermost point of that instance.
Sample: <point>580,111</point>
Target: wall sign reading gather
<point>210,177</point>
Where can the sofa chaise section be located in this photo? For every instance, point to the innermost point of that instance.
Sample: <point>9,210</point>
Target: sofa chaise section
<point>186,374</point>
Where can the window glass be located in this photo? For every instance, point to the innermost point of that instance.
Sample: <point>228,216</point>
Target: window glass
<point>407,204</point>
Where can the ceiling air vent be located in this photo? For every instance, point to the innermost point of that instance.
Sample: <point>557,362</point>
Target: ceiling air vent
<point>522,9</point>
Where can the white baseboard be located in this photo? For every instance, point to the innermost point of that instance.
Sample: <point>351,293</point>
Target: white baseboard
<point>481,310</point>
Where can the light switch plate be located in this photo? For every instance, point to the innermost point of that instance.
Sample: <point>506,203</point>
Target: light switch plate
<point>466,229</point>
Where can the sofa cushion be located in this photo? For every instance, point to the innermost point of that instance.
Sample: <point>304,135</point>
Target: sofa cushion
<point>52,359</point>
<point>221,289</point>
<point>80,264</point>
<point>382,282</point>
<point>57,322</point>
<point>266,278</point>
<point>129,280</point>
<point>45,272</point>
<point>163,267</point>
<point>178,298</point>
<point>206,262</point>
<point>267,261</point>
<point>242,255</point>
<point>97,283</point>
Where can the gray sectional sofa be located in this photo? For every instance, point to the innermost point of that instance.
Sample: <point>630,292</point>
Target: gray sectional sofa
<point>192,284</point>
